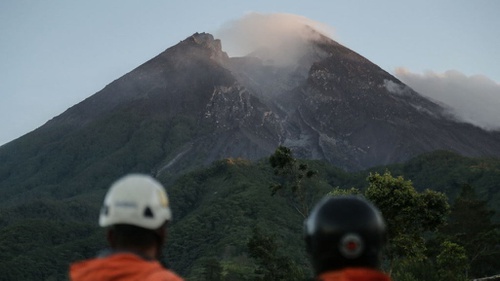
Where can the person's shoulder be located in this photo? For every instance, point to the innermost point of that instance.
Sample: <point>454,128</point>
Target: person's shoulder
<point>354,274</point>
<point>164,275</point>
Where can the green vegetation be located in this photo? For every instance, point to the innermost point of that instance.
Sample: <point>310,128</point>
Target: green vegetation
<point>452,263</point>
<point>219,208</point>
<point>225,216</point>
<point>271,265</point>
<point>409,214</point>
<point>293,181</point>
<point>470,226</point>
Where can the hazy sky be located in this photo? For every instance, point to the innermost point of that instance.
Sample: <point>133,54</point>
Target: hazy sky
<point>56,53</point>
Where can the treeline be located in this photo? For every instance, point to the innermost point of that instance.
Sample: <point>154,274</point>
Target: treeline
<point>228,225</point>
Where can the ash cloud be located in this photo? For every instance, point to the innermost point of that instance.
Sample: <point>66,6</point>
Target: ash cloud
<point>472,99</point>
<point>278,37</point>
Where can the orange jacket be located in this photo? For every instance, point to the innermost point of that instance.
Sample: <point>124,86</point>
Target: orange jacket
<point>354,274</point>
<point>121,266</point>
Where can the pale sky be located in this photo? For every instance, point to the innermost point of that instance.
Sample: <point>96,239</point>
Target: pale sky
<point>56,53</point>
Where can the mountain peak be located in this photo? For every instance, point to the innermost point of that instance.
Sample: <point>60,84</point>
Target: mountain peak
<point>207,40</point>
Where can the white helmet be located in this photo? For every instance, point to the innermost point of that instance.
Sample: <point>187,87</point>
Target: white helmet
<point>138,200</point>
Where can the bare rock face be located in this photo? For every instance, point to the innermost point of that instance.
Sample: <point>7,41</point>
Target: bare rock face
<point>338,106</point>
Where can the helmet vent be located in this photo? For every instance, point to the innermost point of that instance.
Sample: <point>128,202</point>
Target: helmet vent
<point>148,213</point>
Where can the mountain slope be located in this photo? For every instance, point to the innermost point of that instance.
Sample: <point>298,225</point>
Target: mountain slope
<point>175,105</point>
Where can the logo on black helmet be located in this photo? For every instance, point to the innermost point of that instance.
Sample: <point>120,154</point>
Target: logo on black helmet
<point>351,245</point>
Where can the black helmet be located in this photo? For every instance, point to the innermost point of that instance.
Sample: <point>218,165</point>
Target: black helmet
<point>344,231</point>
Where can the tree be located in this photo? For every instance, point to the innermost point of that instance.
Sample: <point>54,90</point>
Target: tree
<point>337,191</point>
<point>452,262</point>
<point>291,173</point>
<point>470,226</point>
<point>271,266</point>
<point>408,214</point>
<point>212,270</point>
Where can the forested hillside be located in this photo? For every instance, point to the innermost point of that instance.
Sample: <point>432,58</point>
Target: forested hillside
<point>218,210</point>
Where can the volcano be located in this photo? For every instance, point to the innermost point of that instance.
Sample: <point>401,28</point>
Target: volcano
<point>193,104</point>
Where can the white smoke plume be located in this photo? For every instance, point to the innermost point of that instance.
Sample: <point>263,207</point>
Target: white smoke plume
<point>473,99</point>
<point>277,34</point>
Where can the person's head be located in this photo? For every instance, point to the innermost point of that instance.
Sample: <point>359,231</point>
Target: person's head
<point>344,231</point>
<point>136,211</point>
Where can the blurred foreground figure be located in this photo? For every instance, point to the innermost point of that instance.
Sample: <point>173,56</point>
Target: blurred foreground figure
<point>345,237</point>
<point>136,212</point>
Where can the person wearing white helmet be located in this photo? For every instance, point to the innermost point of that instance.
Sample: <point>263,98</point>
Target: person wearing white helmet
<point>136,212</point>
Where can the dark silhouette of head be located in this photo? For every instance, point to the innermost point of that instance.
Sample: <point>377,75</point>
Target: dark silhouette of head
<point>344,231</point>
